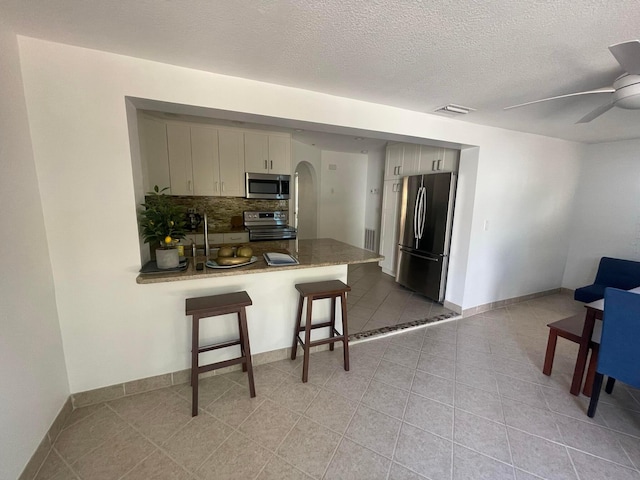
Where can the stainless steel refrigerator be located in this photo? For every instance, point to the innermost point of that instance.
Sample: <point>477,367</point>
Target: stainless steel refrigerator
<point>426,218</point>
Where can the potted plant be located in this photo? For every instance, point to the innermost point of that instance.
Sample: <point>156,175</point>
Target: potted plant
<point>163,222</point>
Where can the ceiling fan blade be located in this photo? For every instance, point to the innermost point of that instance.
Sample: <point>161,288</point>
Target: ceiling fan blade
<point>588,92</point>
<point>628,55</point>
<point>596,113</point>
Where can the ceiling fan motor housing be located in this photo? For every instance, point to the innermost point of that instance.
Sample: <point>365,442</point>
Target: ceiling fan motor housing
<point>627,94</point>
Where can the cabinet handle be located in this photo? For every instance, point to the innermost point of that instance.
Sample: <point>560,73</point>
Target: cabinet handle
<point>216,187</point>
<point>265,165</point>
<point>439,164</point>
<point>189,185</point>
<point>433,165</point>
<point>271,164</point>
<point>222,190</point>
<point>400,170</point>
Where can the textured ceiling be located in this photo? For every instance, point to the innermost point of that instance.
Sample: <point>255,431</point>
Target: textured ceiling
<point>412,54</point>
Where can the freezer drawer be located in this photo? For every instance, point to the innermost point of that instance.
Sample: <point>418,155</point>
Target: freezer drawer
<point>422,273</point>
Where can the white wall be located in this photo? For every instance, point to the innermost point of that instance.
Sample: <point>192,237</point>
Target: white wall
<point>343,197</point>
<point>606,220</point>
<point>524,190</point>
<point>76,106</point>
<point>34,383</point>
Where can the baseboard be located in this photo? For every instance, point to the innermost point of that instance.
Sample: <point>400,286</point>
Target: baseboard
<point>39,456</point>
<point>510,301</point>
<point>452,306</point>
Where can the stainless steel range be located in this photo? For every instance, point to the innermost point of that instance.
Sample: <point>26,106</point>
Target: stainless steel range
<point>268,226</point>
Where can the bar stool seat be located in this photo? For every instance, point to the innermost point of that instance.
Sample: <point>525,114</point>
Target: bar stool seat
<point>212,306</point>
<point>331,289</point>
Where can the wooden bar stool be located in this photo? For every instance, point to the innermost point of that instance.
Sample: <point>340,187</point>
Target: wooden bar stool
<point>214,305</point>
<point>332,289</point>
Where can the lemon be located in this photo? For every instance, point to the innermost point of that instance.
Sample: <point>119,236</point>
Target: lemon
<point>168,240</point>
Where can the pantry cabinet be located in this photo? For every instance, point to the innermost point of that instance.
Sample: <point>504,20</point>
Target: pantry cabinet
<point>267,153</point>
<point>391,194</point>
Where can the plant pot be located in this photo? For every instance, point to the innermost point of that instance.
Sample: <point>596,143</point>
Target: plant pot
<point>167,258</point>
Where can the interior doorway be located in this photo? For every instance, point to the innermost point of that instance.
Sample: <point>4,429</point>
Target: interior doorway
<point>306,201</point>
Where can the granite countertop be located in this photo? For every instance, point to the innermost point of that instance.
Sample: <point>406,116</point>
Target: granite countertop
<point>310,253</point>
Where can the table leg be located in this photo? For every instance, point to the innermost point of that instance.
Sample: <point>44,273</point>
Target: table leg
<point>583,351</point>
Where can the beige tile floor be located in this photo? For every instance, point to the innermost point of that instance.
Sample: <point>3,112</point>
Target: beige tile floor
<point>458,400</point>
<point>377,301</point>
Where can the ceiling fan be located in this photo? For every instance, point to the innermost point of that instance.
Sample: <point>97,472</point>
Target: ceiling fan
<point>625,92</point>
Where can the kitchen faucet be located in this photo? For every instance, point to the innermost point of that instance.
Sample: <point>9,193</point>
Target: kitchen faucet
<point>206,236</point>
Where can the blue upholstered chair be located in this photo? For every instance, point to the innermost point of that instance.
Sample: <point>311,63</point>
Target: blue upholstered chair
<point>619,356</point>
<point>612,272</point>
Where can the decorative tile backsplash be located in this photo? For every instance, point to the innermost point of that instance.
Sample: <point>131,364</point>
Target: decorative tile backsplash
<point>221,209</point>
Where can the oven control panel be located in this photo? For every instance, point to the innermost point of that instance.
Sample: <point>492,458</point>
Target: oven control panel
<point>266,218</point>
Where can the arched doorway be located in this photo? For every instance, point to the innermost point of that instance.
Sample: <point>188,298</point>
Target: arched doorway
<point>306,201</point>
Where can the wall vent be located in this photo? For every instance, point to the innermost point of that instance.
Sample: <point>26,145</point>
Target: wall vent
<point>454,109</point>
<point>369,239</point>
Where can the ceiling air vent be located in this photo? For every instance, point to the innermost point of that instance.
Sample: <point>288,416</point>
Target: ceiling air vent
<point>454,109</point>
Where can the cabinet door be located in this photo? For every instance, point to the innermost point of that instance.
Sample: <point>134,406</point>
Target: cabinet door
<point>180,167</point>
<point>410,160</point>
<point>393,161</point>
<point>389,225</point>
<point>153,153</point>
<point>238,237</point>
<point>231,148</point>
<point>429,158</point>
<point>256,152</point>
<point>279,154</point>
<point>449,160</point>
<point>205,163</point>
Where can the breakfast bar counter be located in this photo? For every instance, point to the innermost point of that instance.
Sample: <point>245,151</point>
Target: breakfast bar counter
<point>270,317</point>
<point>322,252</point>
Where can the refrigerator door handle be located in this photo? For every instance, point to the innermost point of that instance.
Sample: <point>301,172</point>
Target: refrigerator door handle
<point>423,218</point>
<point>416,218</point>
<point>409,252</point>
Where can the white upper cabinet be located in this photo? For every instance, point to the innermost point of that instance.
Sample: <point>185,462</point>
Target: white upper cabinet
<point>153,153</point>
<point>393,162</point>
<point>231,149</point>
<point>434,159</point>
<point>410,160</point>
<point>205,160</point>
<point>267,153</point>
<point>180,165</point>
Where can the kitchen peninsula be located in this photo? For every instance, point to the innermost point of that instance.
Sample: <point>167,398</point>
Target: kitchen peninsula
<point>323,252</point>
<point>272,315</point>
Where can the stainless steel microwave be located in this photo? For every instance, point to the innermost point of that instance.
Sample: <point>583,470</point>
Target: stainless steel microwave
<point>268,186</point>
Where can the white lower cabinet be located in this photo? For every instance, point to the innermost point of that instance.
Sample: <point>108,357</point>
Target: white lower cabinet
<point>391,194</point>
<point>236,237</point>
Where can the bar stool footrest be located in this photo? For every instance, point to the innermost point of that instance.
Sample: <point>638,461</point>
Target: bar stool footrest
<point>222,364</point>
<point>215,346</point>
